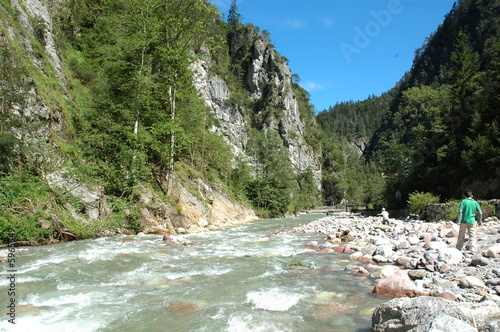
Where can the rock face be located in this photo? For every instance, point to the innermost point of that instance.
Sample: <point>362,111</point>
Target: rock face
<point>273,105</point>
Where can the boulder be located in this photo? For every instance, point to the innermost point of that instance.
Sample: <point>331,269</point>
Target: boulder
<point>398,285</point>
<point>450,256</point>
<point>417,314</point>
<point>445,323</point>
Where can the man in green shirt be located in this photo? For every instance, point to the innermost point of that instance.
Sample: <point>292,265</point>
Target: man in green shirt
<point>467,220</point>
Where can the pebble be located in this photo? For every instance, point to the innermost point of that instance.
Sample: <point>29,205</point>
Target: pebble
<point>425,250</point>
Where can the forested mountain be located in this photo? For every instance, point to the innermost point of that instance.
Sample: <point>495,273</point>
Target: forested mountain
<point>442,132</point>
<point>439,130</point>
<point>151,115</point>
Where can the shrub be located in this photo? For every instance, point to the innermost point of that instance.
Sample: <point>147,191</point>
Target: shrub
<point>419,201</point>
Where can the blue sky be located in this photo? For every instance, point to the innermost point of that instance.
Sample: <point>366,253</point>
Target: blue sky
<point>345,49</point>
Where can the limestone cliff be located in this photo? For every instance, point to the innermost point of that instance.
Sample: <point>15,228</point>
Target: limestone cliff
<point>268,81</point>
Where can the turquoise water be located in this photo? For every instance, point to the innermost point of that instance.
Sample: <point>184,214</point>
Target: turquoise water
<point>236,279</point>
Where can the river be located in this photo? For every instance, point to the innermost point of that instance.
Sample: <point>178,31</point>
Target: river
<point>237,279</point>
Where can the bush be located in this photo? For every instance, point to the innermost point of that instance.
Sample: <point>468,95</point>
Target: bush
<point>451,210</point>
<point>419,201</point>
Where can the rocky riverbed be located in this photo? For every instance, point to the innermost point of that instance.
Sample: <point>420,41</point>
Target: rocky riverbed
<point>434,286</point>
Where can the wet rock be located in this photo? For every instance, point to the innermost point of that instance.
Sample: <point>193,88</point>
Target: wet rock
<point>360,271</point>
<point>312,245</point>
<point>179,307</point>
<point>181,230</point>
<point>194,228</point>
<point>355,256</point>
<point>365,259</point>
<point>325,312</point>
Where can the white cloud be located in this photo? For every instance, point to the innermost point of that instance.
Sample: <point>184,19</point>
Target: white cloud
<point>327,21</point>
<point>294,24</point>
<point>312,86</point>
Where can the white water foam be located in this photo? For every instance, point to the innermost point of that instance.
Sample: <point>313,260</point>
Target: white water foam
<point>245,322</point>
<point>273,299</point>
<point>48,322</point>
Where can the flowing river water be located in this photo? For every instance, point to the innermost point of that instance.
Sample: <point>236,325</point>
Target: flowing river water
<point>237,279</point>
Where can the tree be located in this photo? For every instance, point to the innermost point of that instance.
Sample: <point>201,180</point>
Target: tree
<point>274,183</point>
<point>233,18</point>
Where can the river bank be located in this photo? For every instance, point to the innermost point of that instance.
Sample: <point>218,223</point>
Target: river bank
<point>409,259</point>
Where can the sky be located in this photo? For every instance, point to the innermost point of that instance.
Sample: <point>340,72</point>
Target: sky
<point>345,50</point>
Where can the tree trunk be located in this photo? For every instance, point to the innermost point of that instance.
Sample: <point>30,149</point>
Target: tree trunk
<point>170,174</point>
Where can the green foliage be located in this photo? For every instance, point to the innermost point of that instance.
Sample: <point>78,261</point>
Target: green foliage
<point>419,201</point>
<point>275,182</point>
<point>296,262</point>
<point>451,210</point>
<point>23,202</point>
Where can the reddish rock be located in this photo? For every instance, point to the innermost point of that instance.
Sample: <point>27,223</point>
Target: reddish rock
<point>128,240</point>
<point>360,271</point>
<point>348,250</point>
<point>312,245</point>
<point>178,307</point>
<point>427,240</point>
<point>339,248</point>
<point>452,234</point>
<point>448,296</point>
<point>444,268</point>
<point>323,251</point>
<point>356,299</point>
<point>366,260</point>
<point>326,312</point>
<point>398,285</point>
